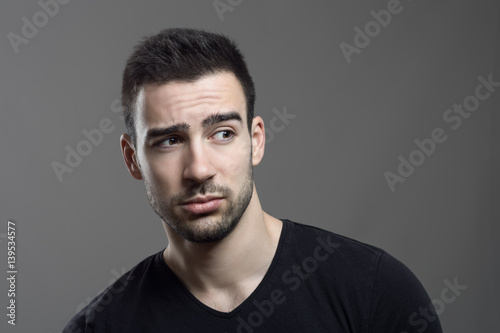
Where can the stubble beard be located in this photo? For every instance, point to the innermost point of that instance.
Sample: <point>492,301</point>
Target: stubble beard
<point>203,229</point>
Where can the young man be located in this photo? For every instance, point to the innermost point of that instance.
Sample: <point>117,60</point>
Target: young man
<point>230,267</point>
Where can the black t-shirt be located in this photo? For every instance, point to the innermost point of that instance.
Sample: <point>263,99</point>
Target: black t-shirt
<point>318,281</point>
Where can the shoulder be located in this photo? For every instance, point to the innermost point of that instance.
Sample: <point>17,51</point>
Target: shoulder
<point>385,290</point>
<point>347,254</point>
<point>341,249</point>
<point>115,296</point>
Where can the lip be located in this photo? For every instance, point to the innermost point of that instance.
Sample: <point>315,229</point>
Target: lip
<point>201,199</point>
<point>202,205</point>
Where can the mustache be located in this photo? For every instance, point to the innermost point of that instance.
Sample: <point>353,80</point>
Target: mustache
<point>202,189</point>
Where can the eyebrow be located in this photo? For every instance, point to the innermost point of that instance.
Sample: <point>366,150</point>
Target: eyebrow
<point>184,127</point>
<point>157,132</point>
<point>220,117</point>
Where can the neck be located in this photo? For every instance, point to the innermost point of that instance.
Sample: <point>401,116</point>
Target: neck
<point>238,262</point>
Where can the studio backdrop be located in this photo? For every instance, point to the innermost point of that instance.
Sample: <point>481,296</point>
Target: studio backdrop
<point>381,120</point>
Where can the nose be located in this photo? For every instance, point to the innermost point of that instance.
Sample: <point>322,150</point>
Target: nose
<point>198,166</point>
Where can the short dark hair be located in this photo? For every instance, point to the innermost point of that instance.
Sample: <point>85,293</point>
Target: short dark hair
<point>182,55</point>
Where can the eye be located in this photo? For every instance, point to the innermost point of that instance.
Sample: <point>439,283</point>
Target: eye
<point>168,142</point>
<point>225,135</point>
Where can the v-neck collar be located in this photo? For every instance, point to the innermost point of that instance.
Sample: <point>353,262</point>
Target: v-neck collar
<point>261,286</point>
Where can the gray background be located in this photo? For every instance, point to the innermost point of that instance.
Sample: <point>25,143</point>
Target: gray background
<point>325,167</point>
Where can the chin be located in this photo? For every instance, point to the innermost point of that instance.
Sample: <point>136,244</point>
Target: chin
<point>206,229</point>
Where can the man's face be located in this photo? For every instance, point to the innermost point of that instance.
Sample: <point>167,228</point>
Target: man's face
<point>195,154</point>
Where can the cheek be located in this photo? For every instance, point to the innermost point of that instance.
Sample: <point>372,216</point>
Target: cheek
<point>162,175</point>
<point>235,165</point>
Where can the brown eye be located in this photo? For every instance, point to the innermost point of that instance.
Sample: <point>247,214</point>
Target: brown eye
<point>172,141</point>
<point>169,142</point>
<point>224,135</point>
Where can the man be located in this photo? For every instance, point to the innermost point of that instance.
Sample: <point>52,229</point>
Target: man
<point>230,267</point>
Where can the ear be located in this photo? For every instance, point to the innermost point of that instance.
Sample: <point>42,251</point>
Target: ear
<point>258,137</point>
<point>130,156</point>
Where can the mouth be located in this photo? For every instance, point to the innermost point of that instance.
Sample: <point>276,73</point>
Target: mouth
<point>202,204</point>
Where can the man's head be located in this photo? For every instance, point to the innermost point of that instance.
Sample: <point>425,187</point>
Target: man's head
<point>192,140</point>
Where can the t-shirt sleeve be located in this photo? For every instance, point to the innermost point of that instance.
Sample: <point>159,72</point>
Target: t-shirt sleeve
<point>400,303</point>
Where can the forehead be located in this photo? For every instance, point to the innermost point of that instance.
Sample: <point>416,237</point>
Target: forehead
<point>189,102</point>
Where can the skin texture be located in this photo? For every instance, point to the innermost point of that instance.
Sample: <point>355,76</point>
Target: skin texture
<point>220,256</point>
